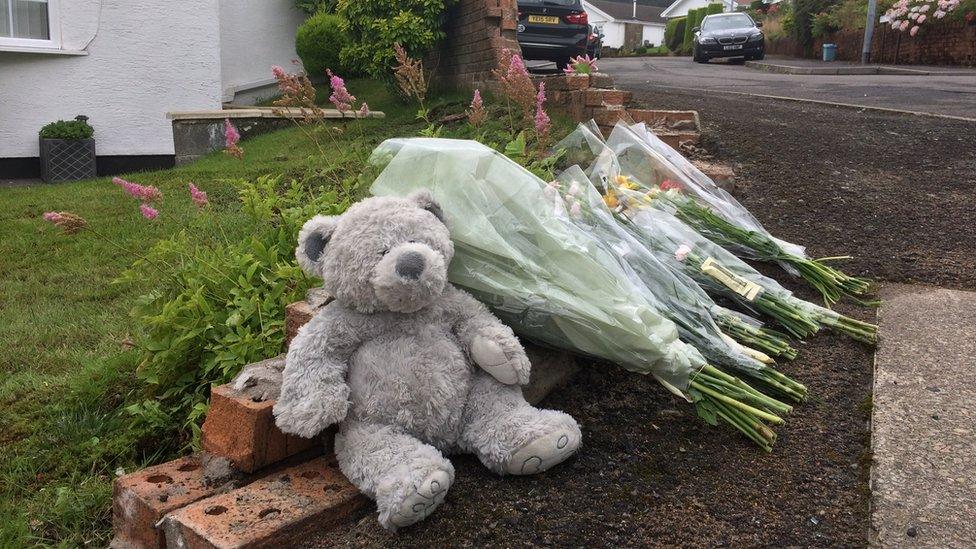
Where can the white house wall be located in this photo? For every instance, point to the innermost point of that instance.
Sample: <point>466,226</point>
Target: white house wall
<point>145,57</point>
<point>682,7</point>
<point>255,34</point>
<point>654,34</point>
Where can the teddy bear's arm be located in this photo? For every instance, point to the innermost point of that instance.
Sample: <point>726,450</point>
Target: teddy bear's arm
<point>490,344</point>
<point>314,393</point>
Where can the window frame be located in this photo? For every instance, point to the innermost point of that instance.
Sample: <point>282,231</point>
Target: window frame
<point>54,33</point>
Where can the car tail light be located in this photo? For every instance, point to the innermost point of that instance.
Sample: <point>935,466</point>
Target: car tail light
<point>576,18</point>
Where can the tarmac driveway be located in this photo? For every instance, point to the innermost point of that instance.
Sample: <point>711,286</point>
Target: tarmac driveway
<point>950,93</point>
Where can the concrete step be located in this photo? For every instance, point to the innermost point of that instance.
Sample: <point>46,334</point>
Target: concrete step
<point>923,478</point>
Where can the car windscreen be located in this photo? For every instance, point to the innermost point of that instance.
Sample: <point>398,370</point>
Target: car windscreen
<point>567,3</point>
<point>727,22</point>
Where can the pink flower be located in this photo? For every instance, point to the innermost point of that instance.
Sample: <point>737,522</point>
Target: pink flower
<point>575,209</point>
<point>517,67</point>
<point>476,114</point>
<point>148,211</point>
<point>574,189</point>
<point>682,252</point>
<point>231,135</point>
<point>146,193</point>
<point>667,185</point>
<point>53,217</point>
<point>581,64</point>
<point>904,24</point>
<point>921,19</point>
<point>938,14</point>
<point>363,110</point>
<point>66,221</point>
<point>199,197</point>
<point>340,97</point>
<point>914,30</point>
<point>277,71</point>
<point>542,122</point>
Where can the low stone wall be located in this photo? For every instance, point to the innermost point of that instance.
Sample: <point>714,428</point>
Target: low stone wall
<point>198,133</point>
<point>945,43</point>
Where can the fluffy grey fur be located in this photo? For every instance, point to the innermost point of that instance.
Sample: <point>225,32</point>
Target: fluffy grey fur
<point>408,365</point>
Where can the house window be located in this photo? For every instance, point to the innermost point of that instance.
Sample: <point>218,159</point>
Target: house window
<point>29,23</point>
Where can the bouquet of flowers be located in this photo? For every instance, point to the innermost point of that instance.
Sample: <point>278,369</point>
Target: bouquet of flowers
<point>679,298</point>
<point>653,164</point>
<point>519,251</point>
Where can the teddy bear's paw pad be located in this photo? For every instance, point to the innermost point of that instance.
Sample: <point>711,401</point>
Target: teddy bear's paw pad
<point>544,452</point>
<point>424,499</point>
<point>492,358</point>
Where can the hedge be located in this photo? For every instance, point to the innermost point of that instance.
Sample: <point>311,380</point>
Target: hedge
<point>674,33</point>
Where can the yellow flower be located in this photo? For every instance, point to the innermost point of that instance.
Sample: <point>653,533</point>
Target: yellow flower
<point>610,198</point>
<point>625,182</point>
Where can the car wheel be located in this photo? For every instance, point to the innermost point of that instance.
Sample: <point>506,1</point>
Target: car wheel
<point>698,57</point>
<point>562,63</point>
<point>760,56</point>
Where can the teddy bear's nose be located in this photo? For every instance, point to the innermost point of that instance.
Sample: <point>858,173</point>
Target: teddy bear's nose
<point>410,265</point>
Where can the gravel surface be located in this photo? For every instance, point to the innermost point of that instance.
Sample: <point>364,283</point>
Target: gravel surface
<point>898,192</point>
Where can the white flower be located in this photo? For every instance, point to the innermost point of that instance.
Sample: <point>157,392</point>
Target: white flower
<point>574,189</point>
<point>574,210</point>
<point>682,252</point>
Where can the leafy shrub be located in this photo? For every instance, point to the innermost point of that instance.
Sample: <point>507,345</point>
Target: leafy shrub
<point>318,43</point>
<point>68,129</point>
<point>674,33</point>
<point>712,9</point>
<point>219,301</point>
<point>374,26</point>
<point>823,24</point>
<point>315,6</point>
<point>803,15</point>
<point>695,17</point>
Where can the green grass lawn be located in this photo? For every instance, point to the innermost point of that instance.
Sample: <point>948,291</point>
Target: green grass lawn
<point>68,368</point>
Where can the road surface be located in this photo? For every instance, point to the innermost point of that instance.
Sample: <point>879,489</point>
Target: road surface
<point>952,94</point>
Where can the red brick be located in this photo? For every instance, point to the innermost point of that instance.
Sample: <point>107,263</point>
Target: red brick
<point>296,315</point>
<point>601,80</point>
<point>596,97</point>
<point>141,499</point>
<point>576,81</point>
<point>609,117</point>
<point>276,511</point>
<point>666,118</point>
<point>675,139</point>
<point>722,175</point>
<point>244,431</point>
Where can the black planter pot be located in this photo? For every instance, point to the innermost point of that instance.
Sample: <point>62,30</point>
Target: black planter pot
<point>67,159</point>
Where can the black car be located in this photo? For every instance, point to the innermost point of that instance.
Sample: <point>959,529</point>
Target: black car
<point>728,35</point>
<point>552,30</point>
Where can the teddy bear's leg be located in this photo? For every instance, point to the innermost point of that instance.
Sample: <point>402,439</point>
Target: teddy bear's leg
<point>407,478</point>
<point>511,436</point>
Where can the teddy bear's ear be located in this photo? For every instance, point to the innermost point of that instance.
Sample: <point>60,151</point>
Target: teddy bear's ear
<point>425,200</point>
<point>312,239</point>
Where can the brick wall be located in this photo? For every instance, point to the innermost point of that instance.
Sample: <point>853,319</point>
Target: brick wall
<point>946,43</point>
<point>477,33</point>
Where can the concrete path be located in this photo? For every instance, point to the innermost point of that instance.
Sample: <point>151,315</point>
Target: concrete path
<point>936,94</point>
<point>923,478</point>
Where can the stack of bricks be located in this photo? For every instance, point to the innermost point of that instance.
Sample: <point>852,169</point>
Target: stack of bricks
<point>478,32</point>
<point>255,486</point>
<point>587,97</point>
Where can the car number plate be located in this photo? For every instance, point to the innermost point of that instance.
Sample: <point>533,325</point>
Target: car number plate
<point>547,19</point>
<point>735,47</point>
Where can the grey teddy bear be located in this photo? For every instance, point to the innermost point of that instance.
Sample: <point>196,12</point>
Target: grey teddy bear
<point>410,367</point>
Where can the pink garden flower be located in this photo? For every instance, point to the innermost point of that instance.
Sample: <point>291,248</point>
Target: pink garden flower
<point>914,30</point>
<point>542,122</point>
<point>66,221</point>
<point>575,210</point>
<point>199,197</point>
<point>278,72</point>
<point>146,193</point>
<point>148,211</point>
<point>340,97</point>
<point>476,114</point>
<point>581,64</point>
<point>231,137</point>
<point>363,110</point>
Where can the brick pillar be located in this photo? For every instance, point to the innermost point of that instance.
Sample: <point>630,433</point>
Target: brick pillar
<point>478,31</point>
